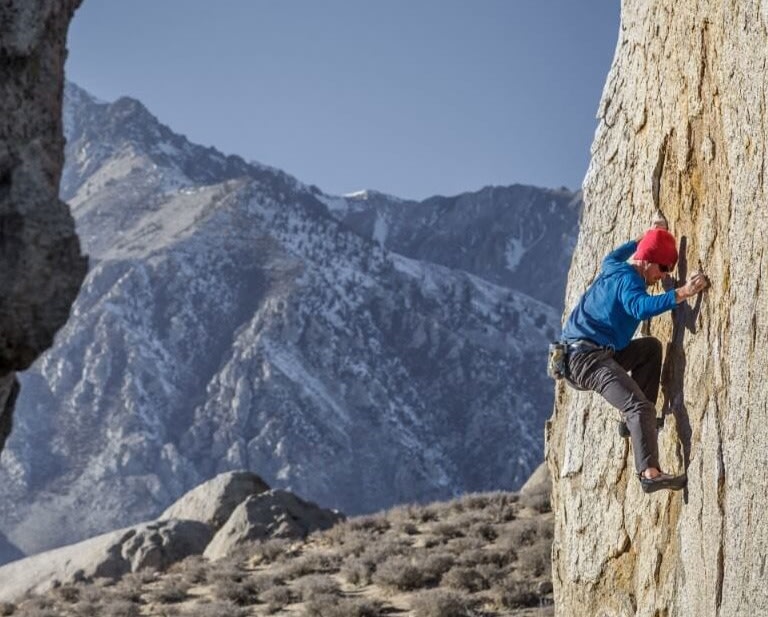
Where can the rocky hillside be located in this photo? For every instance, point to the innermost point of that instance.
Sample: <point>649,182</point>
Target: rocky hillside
<point>483,554</point>
<point>682,129</point>
<point>517,236</point>
<point>232,318</point>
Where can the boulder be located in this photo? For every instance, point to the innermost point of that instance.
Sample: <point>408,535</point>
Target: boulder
<point>273,514</point>
<point>154,545</point>
<point>539,482</point>
<point>214,501</point>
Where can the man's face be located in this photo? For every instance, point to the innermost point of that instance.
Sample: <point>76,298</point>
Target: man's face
<point>654,274</point>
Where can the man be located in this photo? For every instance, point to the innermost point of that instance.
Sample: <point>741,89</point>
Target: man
<point>601,350</point>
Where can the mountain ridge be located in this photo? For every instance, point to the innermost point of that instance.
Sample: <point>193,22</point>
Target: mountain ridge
<point>240,324</point>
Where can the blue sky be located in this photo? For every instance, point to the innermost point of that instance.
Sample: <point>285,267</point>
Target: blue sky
<point>409,97</point>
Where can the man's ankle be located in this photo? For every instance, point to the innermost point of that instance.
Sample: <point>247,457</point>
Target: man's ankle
<point>650,473</point>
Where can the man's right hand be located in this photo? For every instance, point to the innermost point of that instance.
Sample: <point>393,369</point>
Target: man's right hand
<point>696,284</point>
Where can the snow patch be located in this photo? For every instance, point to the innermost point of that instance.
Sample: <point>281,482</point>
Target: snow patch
<point>515,250</point>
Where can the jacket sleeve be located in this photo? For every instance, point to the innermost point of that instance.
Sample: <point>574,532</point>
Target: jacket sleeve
<point>621,253</point>
<point>642,305</point>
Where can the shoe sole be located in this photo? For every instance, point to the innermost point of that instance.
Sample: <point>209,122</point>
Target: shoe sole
<point>675,484</point>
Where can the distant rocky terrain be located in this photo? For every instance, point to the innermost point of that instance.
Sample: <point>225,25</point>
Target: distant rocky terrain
<point>235,318</point>
<point>230,511</point>
<point>482,554</point>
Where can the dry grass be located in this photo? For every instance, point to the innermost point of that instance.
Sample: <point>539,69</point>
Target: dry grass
<point>481,555</point>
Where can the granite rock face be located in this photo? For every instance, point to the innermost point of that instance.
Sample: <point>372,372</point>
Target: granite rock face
<point>214,501</point>
<point>682,129</point>
<point>41,267</point>
<point>272,514</point>
<point>153,545</point>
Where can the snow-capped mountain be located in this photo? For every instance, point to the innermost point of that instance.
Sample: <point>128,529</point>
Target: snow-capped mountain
<point>520,237</point>
<point>234,317</point>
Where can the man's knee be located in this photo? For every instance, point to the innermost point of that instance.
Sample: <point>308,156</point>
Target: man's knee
<point>639,407</point>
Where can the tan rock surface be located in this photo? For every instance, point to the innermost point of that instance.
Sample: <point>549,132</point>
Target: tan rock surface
<point>682,128</point>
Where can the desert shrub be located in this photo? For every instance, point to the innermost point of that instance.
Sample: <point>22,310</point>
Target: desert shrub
<point>193,569</point>
<point>379,552</point>
<point>277,597</point>
<point>464,579</point>
<point>476,501</point>
<point>217,608</point>
<point>484,531</point>
<point>440,603</point>
<point>67,593</point>
<point>263,581</point>
<point>399,573</point>
<point>400,514</point>
<point>521,533</point>
<point>358,571</point>
<point>408,528</point>
<point>433,566</point>
<point>448,530</point>
<point>515,594</point>
<point>427,514</point>
<point>314,586</point>
<point>431,541</point>
<point>492,573</point>
<point>535,561</point>
<point>32,610</point>
<point>87,608</point>
<point>270,551</point>
<point>119,608</point>
<point>170,591</point>
<point>332,606</point>
<point>453,507</point>
<point>538,500</point>
<point>546,529</point>
<point>459,546</point>
<point>371,524</point>
<point>226,571</point>
<point>241,593</point>
<point>503,507</point>
<point>498,557</point>
<point>345,540</point>
<point>140,578</point>
<point>319,562</point>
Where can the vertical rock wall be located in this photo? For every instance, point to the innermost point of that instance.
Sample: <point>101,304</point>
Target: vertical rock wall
<point>682,128</point>
<point>41,267</point>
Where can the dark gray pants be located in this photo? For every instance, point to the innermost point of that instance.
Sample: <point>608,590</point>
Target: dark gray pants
<point>607,373</point>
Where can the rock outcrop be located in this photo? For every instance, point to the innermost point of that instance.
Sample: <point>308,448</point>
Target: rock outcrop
<point>41,267</point>
<point>683,129</point>
<point>154,545</point>
<point>214,501</point>
<point>273,514</point>
<point>214,519</point>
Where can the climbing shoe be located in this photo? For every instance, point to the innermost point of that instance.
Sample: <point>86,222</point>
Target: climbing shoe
<point>663,481</point>
<point>624,429</point>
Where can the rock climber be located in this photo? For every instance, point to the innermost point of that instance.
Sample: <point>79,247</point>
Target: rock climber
<point>602,355</point>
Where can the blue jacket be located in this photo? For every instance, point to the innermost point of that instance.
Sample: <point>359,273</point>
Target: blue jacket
<point>614,305</point>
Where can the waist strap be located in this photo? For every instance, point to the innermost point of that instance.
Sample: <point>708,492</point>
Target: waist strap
<point>583,345</point>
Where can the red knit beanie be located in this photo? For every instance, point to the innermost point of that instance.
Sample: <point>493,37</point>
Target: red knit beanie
<point>657,246</point>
